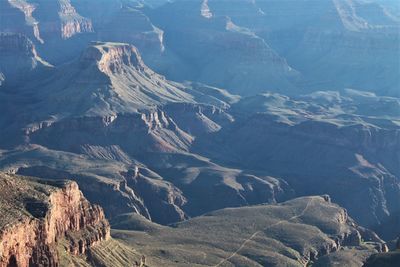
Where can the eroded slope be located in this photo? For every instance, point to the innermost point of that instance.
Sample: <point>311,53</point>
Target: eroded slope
<point>293,233</point>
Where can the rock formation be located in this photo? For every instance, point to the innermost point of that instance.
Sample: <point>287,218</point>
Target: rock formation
<point>37,215</point>
<point>63,21</point>
<point>125,114</point>
<point>227,55</point>
<point>332,47</point>
<point>343,132</point>
<point>19,59</point>
<point>71,27</point>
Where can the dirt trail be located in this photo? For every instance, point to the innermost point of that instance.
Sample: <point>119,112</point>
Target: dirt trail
<point>259,231</point>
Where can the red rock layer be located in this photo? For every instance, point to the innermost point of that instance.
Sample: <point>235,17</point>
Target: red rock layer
<point>33,241</point>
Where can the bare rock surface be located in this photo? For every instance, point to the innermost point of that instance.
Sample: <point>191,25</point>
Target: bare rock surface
<point>37,214</point>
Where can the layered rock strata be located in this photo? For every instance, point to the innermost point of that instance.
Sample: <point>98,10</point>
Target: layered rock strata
<point>36,215</point>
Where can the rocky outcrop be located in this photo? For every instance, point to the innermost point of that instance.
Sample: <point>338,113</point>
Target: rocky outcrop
<point>116,80</point>
<point>64,20</point>
<point>71,22</point>
<point>205,10</point>
<point>70,28</point>
<point>65,24</point>
<point>120,198</point>
<point>17,17</point>
<point>18,57</point>
<point>139,191</point>
<point>162,198</point>
<point>135,133</point>
<point>113,58</point>
<point>198,119</point>
<point>37,214</point>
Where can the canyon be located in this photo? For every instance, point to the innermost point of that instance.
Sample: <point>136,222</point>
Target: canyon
<point>199,133</point>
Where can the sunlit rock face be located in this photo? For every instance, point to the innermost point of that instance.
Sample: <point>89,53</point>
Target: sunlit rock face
<point>36,216</point>
<point>44,19</point>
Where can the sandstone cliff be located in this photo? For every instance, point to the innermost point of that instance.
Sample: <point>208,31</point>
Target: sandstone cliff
<point>36,215</point>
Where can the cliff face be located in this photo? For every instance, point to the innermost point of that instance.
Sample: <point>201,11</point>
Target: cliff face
<point>113,58</point>
<point>71,22</point>
<point>45,18</point>
<point>154,131</point>
<point>17,16</point>
<point>36,216</point>
<point>18,58</point>
<point>115,79</point>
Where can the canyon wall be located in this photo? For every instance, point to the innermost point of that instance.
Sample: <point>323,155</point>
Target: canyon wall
<point>37,215</point>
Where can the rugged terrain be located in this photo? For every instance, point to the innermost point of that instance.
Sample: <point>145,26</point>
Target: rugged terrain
<point>40,216</point>
<point>178,117</point>
<point>131,121</point>
<point>333,44</point>
<point>294,233</point>
<point>352,146</point>
<point>247,47</point>
<point>50,223</point>
<point>171,150</point>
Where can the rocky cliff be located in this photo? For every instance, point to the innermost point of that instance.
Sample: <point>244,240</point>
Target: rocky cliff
<point>71,22</point>
<point>18,58</point>
<point>17,17</point>
<point>115,79</point>
<point>37,215</point>
<point>39,19</point>
<point>113,58</point>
